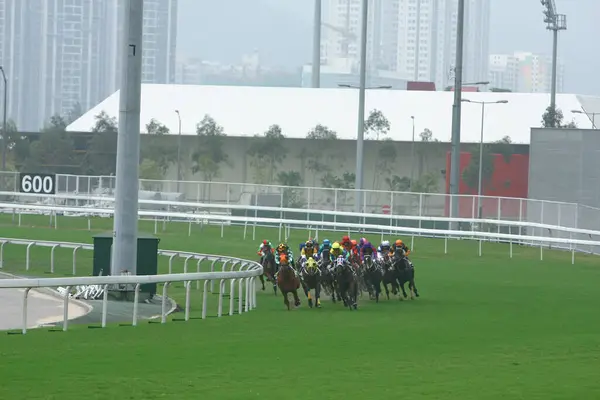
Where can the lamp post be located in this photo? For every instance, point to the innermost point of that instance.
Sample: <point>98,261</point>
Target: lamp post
<point>480,177</point>
<point>588,114</point>
<point>178,151</point>
<point>554,22</point>
<point>316,60</point>
<point>360,137</point>
<point>4,132</point>
<point>412,155</point>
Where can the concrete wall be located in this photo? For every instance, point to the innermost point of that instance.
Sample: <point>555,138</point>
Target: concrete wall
<point>339,156</point>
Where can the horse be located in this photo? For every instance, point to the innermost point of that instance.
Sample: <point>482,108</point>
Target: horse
<point>390,277</point>
<point>346,282</point>
<point>288,282</point>
<point>373,277</point>
<point>327,277</point>
<point>269,270</point>
<point>311,279</point>
<point>405,272</point>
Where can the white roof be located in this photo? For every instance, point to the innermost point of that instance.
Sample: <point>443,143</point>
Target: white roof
<point>246,111</point>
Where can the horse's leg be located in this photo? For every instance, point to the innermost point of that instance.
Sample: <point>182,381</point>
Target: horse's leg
<point>412,280</point>
<point>377,287</point>
<point>262,281</point>
<point>286,301</point>
<point>318,294</point>
<point>308,295</point>
<point>296,298</point>
<point>355,295</point>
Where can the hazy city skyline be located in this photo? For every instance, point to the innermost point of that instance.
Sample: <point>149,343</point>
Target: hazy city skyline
<point>282,32</point>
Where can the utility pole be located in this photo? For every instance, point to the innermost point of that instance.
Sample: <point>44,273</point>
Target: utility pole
<point>554,22</point>
<point>361,108</point>
<point>316,59</point>
<point>456,107</point>
<point>124,257</point>
<point>4,125</point>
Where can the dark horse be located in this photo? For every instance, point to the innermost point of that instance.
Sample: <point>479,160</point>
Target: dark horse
<point>311,279</point>
<point>347,285</point>
<point>373,276</point>
<point>390,276</point>
<point>288,282</point>
<point>327,277</point>
<point>405,273</point>
<point>269,270</point>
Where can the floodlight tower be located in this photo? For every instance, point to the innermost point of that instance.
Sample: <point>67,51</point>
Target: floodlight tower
<point>554,22</point>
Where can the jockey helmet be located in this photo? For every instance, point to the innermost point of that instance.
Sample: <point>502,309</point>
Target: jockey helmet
<point>308,244</point>
<point>362,241</point>
<point>336,246</point>
<point>265,242</point>
<point>282,247</point>
<point>353,242</point>
<point>399,242</point>
<point>326,242</point>
<point>385,243</point>
<point>345,239</point>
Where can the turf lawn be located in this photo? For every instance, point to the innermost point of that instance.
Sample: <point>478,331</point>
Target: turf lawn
<point>486,327</point>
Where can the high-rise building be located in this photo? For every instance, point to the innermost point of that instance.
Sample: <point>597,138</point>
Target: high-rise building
<point>524,72</point>
<point>63,54</point>
<point>414,38</point>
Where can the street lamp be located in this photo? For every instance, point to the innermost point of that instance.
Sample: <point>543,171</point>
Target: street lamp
<point>412,155</point>
<point>178,151</point>
<point>360,137</point>
<point>479,180</point>
<point>588,114</point>
<point>4,132</point>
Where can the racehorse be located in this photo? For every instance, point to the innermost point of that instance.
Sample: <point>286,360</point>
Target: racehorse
<point>311,279</point>
<point>390,276</point>
<point>347,286</point>
<point>288,281</point>
<point>405,272</point>
<point>373,277</point>
<point>327,277</point>
<point>269,270</point>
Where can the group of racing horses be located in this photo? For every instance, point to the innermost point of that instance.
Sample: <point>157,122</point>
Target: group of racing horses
<point>342,275</point>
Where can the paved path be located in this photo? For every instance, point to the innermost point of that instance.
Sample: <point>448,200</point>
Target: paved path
<point>42,309</point>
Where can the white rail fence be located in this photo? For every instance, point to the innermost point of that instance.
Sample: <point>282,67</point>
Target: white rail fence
<point>570,243</point>
<point>314,219</point>
<point>570,215</point>
<point>237,272</point>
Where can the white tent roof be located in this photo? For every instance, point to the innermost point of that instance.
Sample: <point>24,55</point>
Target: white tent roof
<point>246,111</point>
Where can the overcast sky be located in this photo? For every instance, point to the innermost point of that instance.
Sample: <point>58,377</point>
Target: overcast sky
<point>281,30</point>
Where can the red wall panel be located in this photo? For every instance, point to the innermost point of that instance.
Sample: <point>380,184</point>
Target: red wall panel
<point>508,180</point>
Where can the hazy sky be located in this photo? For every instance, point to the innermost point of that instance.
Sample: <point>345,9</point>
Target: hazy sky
<point>282,32</point>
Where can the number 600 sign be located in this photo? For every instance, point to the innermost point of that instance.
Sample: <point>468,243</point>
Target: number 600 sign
<point>37,183</point>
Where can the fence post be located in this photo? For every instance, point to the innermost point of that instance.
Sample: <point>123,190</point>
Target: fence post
<point>75,260</point>
<point>66,308</point>
<point>187,285</point>
<point>27,255</point>
<point>2,243</point>
<point>25,294</point>
<point>136,301</point>
<point>163,318</point>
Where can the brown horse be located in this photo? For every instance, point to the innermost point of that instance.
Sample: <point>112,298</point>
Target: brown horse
<point>311,279</point>
<point>269,270</point>
<point>288,281</point>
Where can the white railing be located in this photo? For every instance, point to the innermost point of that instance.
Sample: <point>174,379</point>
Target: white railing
<point>563,214</point>
<point>234,270</point>
<point>569,243</point>
<point>220,214</point>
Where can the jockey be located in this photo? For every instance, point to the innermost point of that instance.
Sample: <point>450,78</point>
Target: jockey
<point>336,251</point>
<point>362,242</point>
<point>354,249</point>
<point>346,243</point>
<point>309,250</point>
<point>383,249</point>
<point>399,245</point>
<point>325,246</point>
<point>264,248</point>
<point>368,250</point>
<point>283,249</point>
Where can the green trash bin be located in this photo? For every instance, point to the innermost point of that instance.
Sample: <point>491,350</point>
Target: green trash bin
<point>147,258</point>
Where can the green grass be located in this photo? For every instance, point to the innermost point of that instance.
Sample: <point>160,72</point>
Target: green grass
<point>486,327</point>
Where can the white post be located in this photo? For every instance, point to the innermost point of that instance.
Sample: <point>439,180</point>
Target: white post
<point>25,294</point>
<point>204,299</point>
<point>136,301</point>
<point>66,308</point>
<point>104,305</point>
<point>187,285</point>
<point>163,318</point>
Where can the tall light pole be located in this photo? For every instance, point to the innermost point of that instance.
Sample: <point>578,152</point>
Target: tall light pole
<point>361,107</point>
<point>178,151</point>
<point>480,177</point>
<point>588,114</point>
<point>554,22</point>
<point>4,132</point>
<point>455,151</point>
<point>412,155</point>
<point>124,255</point>
<point>316,59</point>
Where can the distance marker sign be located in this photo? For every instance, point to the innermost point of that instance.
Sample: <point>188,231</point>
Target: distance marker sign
<point>37,183</point>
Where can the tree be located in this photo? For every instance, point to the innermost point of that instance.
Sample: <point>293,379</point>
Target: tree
<point>209,155</point>
<point>17,146</point>
<point>291,197</point>
<point>470,175</point>
<point>377,124</point>
<point>158,147</point>
<point>320,156</point>
<point>426,135</point>
<point>54,151</point>
<point>151,171</point>
<point>266,152</point>
<point>346,181</point>
<point>427,183</point>
<point>425,151</point>
<point>397,183</point>
<point>102,148</point>
<point>383,165</point>
<point>554,118</point>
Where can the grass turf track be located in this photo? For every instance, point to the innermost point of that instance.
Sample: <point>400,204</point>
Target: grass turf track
<point>484,328</point>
